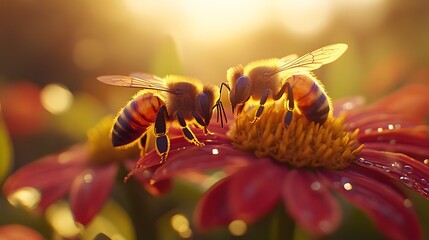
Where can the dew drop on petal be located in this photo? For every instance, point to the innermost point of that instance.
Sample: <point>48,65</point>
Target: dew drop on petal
<point>367,163</point>
<point>406,181</point>
<point>348,186</point>
<point>315,186</point>
<point>408,169</point>
<point>426,161</point>
<point>379,129</point>
<point>368,131</point>
<point>215,151</point>
<point>390,126</point>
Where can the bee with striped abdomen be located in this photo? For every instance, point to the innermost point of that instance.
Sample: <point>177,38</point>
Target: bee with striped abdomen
<point>174,99</point>
<point>260,80</point>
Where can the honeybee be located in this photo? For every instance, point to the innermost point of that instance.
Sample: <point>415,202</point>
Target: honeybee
<point>290,75</point>
<point>174,99</point>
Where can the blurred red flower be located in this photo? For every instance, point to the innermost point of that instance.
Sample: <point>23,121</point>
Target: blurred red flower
<point>395,150</point>
<point>86,172</point>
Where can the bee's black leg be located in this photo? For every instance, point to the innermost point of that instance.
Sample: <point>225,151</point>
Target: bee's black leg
<point>261,104</point>
<point>162,142</point>
<point>290,103</point>
<point>187,133</point>
<point>201,122</point>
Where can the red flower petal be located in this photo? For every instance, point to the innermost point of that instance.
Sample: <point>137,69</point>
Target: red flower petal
<point>18,232</point>
<point>383,205</point>
<point>255,190</point>
<point>408,141</point>
<point>406,170</point>
<point>369,121</point>
<point>347,104</point>
<point>213,209</point>
<point>46,172</point>
<point>145,179</point>
<point>310,203</point>
<point>202,158</point>
<point>412,101</point>
<point>90,190</point>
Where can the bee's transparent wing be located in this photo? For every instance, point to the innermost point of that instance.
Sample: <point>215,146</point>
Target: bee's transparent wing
<point>312,60</point>
<point>137,80</point>
<point>289,58</point>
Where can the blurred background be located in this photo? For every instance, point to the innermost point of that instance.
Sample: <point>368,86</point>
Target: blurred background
<point>52,51</point>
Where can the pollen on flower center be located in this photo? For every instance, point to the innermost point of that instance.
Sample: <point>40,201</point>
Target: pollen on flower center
<point>302,144</point>
<point>100,145</point>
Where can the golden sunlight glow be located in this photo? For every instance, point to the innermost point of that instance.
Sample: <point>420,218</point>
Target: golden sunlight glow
<point>88,54</point>
<point>375,12</point>
<point>237,227</point>
<point>56,98</point>
<point>60,218</point>
<point>305,17</point>
<point>26,197</point>
<point>205,20</point>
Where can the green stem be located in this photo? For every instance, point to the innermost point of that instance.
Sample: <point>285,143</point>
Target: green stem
<point>282,225</point>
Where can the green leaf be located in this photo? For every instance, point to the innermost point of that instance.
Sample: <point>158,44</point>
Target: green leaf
<point>5,150</point>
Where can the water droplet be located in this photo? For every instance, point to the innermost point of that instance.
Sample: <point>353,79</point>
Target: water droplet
<point>363,161</point>
<point>390,126</point>
<point>426,161</point>
<point>396,167</point>
<point>348,186</point>
<point>215,151</point>
<point>408,169</point>
<point>379,129</point>
<point>368,131</point>
<point>315,186</point>
<point>407,181</point>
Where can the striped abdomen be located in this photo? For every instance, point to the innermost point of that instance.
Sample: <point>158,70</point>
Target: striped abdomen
<point>310,97</point>
<point>135,118</point>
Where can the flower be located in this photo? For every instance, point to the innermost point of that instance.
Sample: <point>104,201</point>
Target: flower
<point>86,172</point>
<point>362,153</point>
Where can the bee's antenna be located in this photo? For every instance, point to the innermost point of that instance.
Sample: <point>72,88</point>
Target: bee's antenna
<point>219,106</point>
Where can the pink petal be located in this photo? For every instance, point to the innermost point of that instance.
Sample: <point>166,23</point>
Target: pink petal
<point>213,208</point>
<point>310,203</point>
<point>406,170</point>
<point>412,101</point>
<point>90,190</point>
<point>382,205</point>
<point>18,232</point>
<point>255,189</point>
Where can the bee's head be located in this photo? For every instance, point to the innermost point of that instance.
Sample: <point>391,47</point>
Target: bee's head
<point>240,93</point>
<point>206,102</point>
<point>240,88</point>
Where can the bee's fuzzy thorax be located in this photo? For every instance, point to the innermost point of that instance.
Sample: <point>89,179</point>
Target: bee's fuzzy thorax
<point>301,144</point>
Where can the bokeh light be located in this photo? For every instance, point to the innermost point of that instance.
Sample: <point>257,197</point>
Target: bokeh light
<point>26,197</point>
<point>56,98</point>
<point>237,227</point>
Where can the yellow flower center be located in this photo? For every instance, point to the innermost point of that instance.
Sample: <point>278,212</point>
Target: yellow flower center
<point>301,144</point>
<point>100,146</point>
